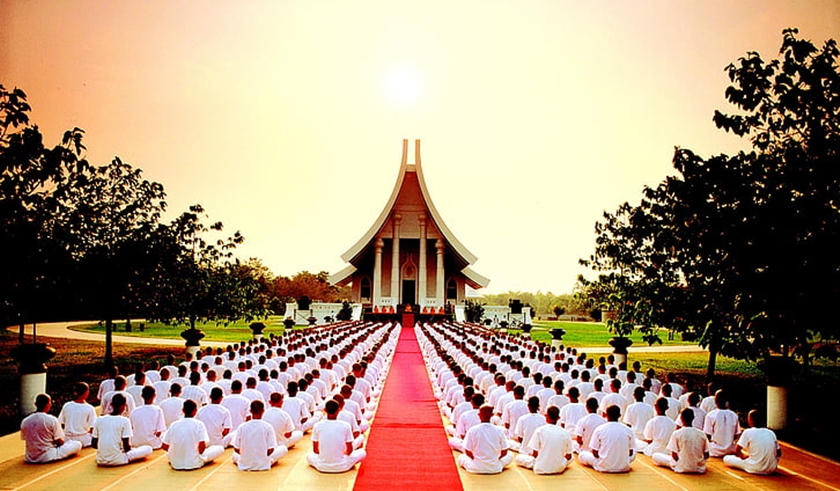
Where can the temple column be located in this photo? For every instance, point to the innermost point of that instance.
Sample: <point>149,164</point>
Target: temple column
<point>440,280</point>
<point>395,260</point>
<point>377,272</point>
<point>421,281</point>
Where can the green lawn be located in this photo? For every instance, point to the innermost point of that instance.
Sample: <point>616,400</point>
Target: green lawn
<point>217,332</point>
<point>584,334</point>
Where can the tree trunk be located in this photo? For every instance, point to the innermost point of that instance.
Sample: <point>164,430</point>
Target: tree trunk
<point>109,345</point>
<point>710,369</point>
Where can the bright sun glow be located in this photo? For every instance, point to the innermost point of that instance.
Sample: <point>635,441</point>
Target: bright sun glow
<point>402,85</point>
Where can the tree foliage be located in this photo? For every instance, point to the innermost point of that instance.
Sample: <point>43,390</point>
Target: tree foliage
<point>741,250</point>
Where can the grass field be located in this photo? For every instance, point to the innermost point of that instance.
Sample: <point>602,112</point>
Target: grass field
<point>585,334</point>
<point>214,331</point>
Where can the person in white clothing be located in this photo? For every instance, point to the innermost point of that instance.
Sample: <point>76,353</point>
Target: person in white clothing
<point>551,447</point>
<point>758,450</point>
<point>586,426</point>
<point>466,421</point>
<point>281,421</point>
<point>237,404</point>
<point>216,419</point>
<point>613,445</point>
<point>332,443</point>
<point>255,445</point>
<point>111,435</point>
<point>186,442</point>
<point>43,435</point>
<point>119,388</point>
<point>572,412</point>
<point>688,447</point>
<point>77,416</point>
<point>525,427</point>
<point>173,405</point>
<point>638,414</point>
<point>722,427</point>
<point>658,430</point>
<point>485,446</point>
<point>147,421</point>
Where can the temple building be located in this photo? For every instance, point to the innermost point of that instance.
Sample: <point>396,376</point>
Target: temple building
<point>409,260</point>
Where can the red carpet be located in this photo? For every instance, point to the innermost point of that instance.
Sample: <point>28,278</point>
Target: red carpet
<point>407,447</point>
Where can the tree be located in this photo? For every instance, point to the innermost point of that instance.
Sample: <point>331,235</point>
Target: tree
<point>33,181</point>
<point>305,284</point>
<point>203,281</point>
<point>111,233</point>
<point>740,250</point>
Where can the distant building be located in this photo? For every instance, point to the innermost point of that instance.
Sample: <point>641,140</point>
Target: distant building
<point>409,260</point>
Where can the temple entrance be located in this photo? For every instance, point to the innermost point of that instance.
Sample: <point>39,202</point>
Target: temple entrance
<point>409,292</point>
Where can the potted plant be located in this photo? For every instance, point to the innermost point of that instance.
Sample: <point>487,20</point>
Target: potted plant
<point>289,323</point>
<point>312,320</point>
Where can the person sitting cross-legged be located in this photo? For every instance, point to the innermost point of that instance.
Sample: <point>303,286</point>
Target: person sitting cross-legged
<point>255,445</point>
<point>757,451</point>
<point>612,443</point>
<point>485,446</point>
<point>111,434</point>
<point>332,443</point>
<point>688,447</point>
<point>43,435</point>
<point>77,416</point>
<point>551,444</point>
<point>186,440</point>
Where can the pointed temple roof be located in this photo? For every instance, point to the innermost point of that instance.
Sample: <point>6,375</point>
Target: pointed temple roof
<point>410,180</point>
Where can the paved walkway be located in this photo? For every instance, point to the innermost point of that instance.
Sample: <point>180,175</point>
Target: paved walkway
<point>799,470</point>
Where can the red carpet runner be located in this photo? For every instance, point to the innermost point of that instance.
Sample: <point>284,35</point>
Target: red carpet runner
<point>407,447</point>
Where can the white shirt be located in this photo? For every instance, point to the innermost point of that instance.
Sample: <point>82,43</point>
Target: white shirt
<point>253,439</point>
<point>40,430</point>
<point>762,447</point>
<point>332,437</point>
<point>552,444</point>
<point>77,418</point>
<point>486,443</point>
<point>216,419</point>
<point>146,421</point>
<point>658,430</point>
<point>585,428</point>
<point>722,425</point>
<point>614,442</point>
<point>637,415</point>
<point>239,407</point>
<point>183,437</point>
<point>173,410</point>
<point>110,431</point>
<point>280,421</point>
<point>691,445</point>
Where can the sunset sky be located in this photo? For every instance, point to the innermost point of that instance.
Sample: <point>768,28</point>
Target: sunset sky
<point>285,119</point>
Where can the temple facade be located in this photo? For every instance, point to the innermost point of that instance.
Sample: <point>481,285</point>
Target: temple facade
<point>409,259</point>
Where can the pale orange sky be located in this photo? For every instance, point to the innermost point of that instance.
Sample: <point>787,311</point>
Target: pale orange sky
<point>278,116</point>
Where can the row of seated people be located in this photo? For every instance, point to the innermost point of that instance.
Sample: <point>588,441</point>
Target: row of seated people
<point>195,426</point>
<point>604,428</point>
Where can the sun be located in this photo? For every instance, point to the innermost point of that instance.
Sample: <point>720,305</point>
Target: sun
<point>402,85</point>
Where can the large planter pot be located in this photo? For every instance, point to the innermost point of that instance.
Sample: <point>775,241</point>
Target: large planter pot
<point>620,345</point>
<point>31,359</point>
<point>557,337</point>
<point>289,323</point>
<point>779,372</point>
<point>193,338</point>
<point>257,329</point>
<point>312,320</point>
